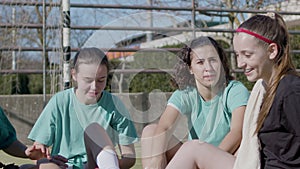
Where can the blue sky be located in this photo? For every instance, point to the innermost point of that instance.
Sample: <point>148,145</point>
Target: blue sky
<point>116,17</point>
<point>106,38</point>
<point>125,17</point>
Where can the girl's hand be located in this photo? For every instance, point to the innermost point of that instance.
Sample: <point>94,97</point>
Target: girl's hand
<point>37,151</point>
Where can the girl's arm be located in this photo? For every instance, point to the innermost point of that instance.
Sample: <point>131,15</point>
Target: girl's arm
<point>16,149</point>
<point>162,134</point>
<point>34,152</point>
<point>232,140</point>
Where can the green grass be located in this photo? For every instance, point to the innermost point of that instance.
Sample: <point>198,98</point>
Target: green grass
<point>7,159</point>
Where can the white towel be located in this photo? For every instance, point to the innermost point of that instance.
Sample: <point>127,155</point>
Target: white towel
<point>248,156</point>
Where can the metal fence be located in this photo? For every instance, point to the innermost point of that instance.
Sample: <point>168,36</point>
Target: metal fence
<point>65,22</point>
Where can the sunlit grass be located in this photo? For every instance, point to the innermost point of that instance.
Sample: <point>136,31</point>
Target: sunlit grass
<point>7,159</point>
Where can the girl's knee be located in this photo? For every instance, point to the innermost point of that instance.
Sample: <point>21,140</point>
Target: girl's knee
<point>49,166</point>
<point>93,126</point>
<point>192,145</point>
<point>95,135</point>
<point>148,131</point>
<point>93,129</point>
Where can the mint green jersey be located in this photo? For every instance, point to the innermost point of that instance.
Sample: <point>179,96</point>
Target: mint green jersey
<point>7,131</point>
<point>64,119</point>
<point>209,121</point>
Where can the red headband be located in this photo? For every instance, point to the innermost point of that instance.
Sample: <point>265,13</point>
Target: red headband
<point>255,35</point>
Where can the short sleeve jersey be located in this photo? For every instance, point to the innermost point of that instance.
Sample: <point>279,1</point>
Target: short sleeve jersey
<point>7,131</point>
<point>280,133</point>
<point>209,121</point>
<point>64,119</point>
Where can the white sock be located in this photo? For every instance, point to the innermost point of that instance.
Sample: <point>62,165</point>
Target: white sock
<point>107,159</point>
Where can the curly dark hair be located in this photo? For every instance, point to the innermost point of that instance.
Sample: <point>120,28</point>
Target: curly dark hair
<point>182,76</point>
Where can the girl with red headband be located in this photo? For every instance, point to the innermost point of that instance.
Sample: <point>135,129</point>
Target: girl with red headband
<point>271,129</point>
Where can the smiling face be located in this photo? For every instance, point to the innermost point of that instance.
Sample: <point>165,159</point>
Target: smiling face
<point>91,81</point>
<point>205,66</point>
<point>253,57</point>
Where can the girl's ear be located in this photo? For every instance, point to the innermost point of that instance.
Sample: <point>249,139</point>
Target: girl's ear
<point>74,74</point>
<point>273,50</point>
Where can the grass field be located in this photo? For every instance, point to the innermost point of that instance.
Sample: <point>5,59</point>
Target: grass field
<point>7,159</point>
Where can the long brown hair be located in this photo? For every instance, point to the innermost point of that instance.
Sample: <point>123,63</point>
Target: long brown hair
<point>183,77</point>
<point>273,27</point>
<point>90,56</point>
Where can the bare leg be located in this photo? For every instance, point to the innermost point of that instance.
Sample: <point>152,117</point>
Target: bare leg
<point>146,142</point>
<point>194,154</point>
<point>41,166</point>
<point>96,140</point>
<point>49,166</point>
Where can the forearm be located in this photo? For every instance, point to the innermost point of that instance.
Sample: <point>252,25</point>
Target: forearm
<point>16,149</point>
<point>160,141</point>
<point>231,142</point>
<point>164,130</point>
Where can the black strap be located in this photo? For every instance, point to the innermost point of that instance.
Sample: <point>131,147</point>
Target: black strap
<point>2,165</point>
<point>9,166</point>
<point>193,133</point>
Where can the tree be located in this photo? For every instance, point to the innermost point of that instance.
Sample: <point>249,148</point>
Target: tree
<point>20,84</point>
<point>152,60</point>
<point>295,44</point>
